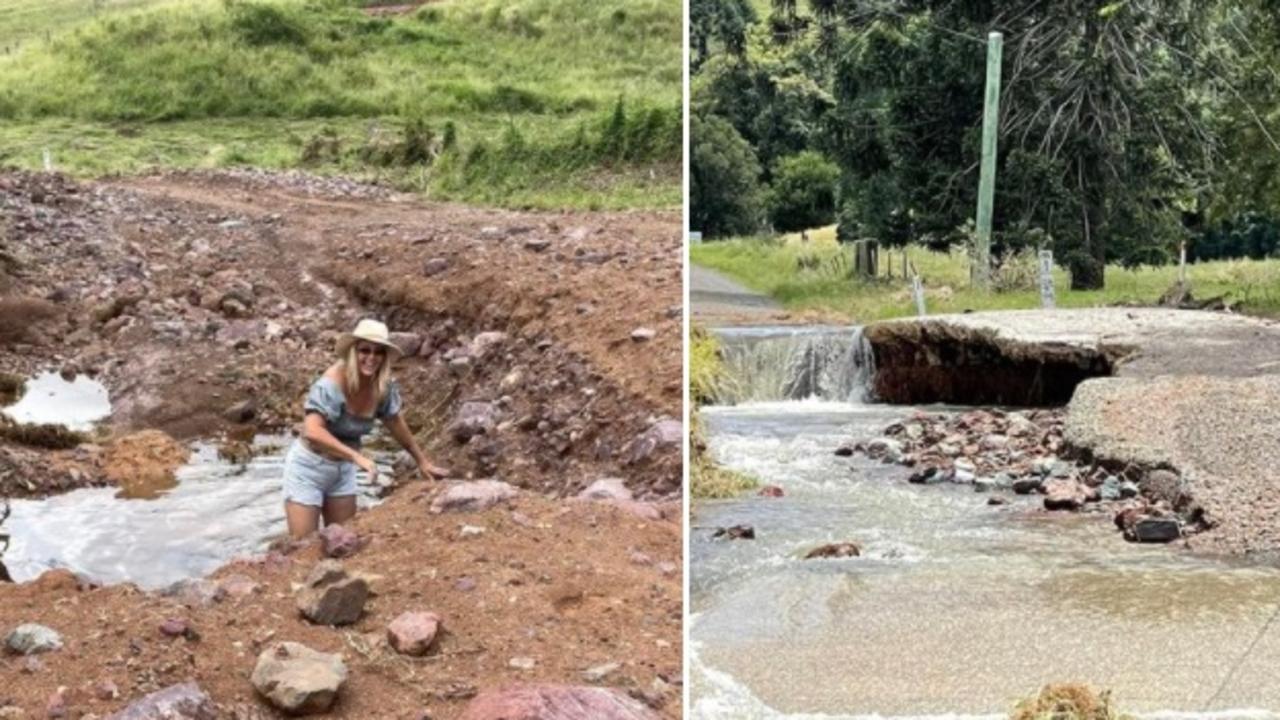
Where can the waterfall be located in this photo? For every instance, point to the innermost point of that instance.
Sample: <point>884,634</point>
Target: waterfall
<point>779,363</point>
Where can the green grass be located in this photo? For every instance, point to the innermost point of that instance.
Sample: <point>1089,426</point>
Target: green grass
<point>24,21</point>
<point>708,480</point>
<point>549,103</point>
<point>825,291</point>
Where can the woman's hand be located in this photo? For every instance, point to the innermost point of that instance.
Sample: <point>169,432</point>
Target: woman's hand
<point>428,470</point>
<point>368,466</point>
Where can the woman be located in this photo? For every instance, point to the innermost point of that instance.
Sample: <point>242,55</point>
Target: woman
<point>320,468</point>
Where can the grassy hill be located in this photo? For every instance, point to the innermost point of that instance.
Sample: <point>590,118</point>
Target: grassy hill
<point>531,102</point>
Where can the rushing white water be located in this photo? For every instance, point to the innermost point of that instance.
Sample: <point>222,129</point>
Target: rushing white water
<point>217,511</point>
<point>956,609</point>
<point>47,398</point>
<point>781,363</point>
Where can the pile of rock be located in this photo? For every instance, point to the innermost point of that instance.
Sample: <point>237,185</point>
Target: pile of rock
<point>1022,451</point>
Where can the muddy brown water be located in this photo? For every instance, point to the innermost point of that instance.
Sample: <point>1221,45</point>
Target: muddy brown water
<point>955,608</point>
<point>215,512</point>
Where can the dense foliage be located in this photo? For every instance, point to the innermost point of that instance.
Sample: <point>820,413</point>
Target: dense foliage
<point>1126,127</point>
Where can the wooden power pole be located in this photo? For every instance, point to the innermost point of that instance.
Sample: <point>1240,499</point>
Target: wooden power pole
<point>981,275</point>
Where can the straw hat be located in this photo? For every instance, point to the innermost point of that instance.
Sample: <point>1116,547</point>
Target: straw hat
<point>369,331</point>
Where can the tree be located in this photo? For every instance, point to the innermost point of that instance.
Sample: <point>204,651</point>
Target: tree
<point>725,196</point>
<point>803,192</point>
<point>1102,109</point>
<point>723,21</point>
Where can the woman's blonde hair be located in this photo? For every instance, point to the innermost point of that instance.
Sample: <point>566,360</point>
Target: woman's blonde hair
<point>351,373</point>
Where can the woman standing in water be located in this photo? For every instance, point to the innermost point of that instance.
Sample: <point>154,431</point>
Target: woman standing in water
<point>320,467</point>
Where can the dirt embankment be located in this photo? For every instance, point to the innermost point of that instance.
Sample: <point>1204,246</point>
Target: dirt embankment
<point>207,303</point>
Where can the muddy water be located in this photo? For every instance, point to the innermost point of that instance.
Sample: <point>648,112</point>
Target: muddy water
<point>216,511</point>
<point>956,608</point>
<point>47,398</point>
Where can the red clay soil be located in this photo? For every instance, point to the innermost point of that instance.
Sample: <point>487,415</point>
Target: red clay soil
<point>208,302</point>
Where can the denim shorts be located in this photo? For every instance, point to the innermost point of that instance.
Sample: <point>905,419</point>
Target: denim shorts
<point>310,477</point>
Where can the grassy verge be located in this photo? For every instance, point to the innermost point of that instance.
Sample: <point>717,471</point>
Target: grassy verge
<point>812,278</point>
<point>707,480</point>
<point>531,103</point>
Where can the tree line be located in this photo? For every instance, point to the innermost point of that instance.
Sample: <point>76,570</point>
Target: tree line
<point>1126,127</point>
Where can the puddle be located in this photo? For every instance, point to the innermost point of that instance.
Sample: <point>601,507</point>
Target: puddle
<point>216,511</point>
<point>48,398</point>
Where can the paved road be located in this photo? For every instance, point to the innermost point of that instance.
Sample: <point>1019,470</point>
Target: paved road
<point>715,300</point>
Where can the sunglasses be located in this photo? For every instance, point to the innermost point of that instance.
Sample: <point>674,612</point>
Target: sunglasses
<point>371,350</point>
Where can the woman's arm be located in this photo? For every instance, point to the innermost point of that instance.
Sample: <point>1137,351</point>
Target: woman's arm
<point>400,431</point>
<point>314,430</point>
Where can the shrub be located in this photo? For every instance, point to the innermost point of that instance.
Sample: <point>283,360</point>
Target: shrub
<point>803,194</point>
<point>725,196</point>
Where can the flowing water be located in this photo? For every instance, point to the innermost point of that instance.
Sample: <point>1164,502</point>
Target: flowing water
<point>955,608</point>
<point>216,512</point>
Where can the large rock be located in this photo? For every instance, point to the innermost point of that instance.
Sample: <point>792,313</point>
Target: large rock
<point>176,702</point>
<point>606,489</point>
<point>1163,485</point>
<point>298,680</point>
<point>472,496</point>
<point>331,596</point>
<point>409,343</point>
<point>339,542</point>
<point>834,550</point>
<point>474,418</point>
<point>662,434</point>
<point>1065,494</point>
<point>484,342</point>
<point>413,632</point>
<point>1157,529</point>
<point>31,639</point>
<point>555,702</point>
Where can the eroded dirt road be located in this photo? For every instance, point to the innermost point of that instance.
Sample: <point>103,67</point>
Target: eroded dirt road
<point>207,302</point>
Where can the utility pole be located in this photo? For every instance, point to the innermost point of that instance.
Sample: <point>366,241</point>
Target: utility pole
<point>981,274</point>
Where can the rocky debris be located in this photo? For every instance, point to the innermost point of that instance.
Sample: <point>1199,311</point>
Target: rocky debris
<point>105,690</point>
<point>1162,486</point>
<point>992,449</point>
<point>472,496</point>
<point>298,680</point>
<point>643,334</point>
<point>735,532</point>
<point>1157,529</point>
<point>555,702</point>
<point>606,489</point>
<point>522,663</point>
<point>834,550</point>
<point>1144,521</point>
<point>331,596</point>
<point>178,627</point>
<point>32,639</point>
<point>412,633</point>
<point>844,451</point>
<point>660,435</point>
<point>435,266</point>
<point>176,702</point>
<point>473,418</point>
<point>241,412</point>
<point>771,491</point>
<point>599,673</point>
<point>337,541</point>
<point>537,244</point>
<point>409,343</point>
<point>1065,494</point>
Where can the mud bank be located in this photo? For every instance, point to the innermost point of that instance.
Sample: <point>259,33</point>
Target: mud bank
<point>1193,392</point>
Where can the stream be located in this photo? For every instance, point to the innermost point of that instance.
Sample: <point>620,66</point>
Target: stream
<point>955,608</point>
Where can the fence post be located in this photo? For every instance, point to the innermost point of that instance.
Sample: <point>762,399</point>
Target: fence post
<point>1046,280</point>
